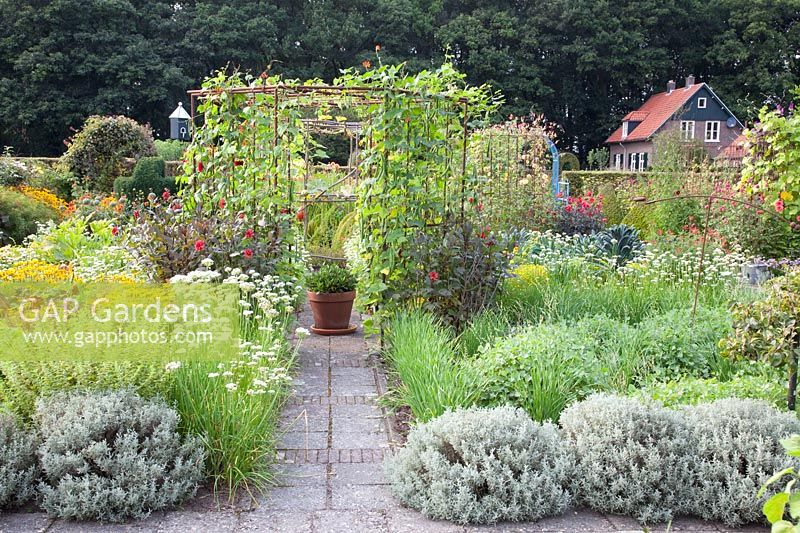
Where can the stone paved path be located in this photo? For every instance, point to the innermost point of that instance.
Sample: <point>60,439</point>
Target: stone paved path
<point>330,465</point>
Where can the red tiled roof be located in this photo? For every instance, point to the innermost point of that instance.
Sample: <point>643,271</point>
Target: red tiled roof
<point>636,116</point>
<point>654,113</point>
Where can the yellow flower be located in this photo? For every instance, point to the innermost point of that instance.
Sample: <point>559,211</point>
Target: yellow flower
<point>786,196</point>
<point>526,275</point>
<point>46,197</point>
<point>35,270</point>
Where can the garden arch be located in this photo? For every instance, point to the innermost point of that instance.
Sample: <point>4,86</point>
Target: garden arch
<point>252,153</point>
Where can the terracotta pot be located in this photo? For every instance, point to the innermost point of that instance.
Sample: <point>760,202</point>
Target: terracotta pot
<point>331,311</point>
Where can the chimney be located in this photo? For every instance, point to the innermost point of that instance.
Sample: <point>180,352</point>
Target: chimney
<point>689,80</point>
<point>670,86</point>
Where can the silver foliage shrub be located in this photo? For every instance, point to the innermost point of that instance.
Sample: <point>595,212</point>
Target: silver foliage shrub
<point>738,449</point>
<point>18,465</point>
<point>482,465</point>
<point>112,456</point>
<point>631,458</point>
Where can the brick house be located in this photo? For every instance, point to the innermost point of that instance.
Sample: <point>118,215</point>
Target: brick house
<point>694,110</point>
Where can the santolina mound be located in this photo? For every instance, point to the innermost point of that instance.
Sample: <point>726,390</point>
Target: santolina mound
<point>102,310</point>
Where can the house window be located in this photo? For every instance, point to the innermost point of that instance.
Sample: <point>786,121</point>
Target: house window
<point>624,129</point>
<point>633,161</point>
<point>618,161</point>
<point>701,103</point>
<point>687,130</point>
<point>643,161</point>
<point>712,131</point>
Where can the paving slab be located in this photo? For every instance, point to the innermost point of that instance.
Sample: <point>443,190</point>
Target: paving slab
<point>349,522</point>
<point>359,474</point>
<point>24,522</point>
<point>305,498</point>
<point>271,521</point>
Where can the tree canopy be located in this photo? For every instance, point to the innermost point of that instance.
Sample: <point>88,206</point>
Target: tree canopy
<point>581,63</point>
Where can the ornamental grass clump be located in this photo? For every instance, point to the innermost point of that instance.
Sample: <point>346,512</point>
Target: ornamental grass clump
<point>112,456</point>
<point>18,467</point>
<point>631,458</point>
<point>482,466</point>
<point>738,449</point>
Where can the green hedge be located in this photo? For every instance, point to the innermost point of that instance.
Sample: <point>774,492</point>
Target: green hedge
<point>19,215</point>
<point>581,181</point>
<point>148,176</point>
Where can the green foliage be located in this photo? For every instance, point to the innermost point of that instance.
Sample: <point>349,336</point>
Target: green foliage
<point>615,207</point>
<point>171,150</point>
<point>483,466</point>
<point>95,154</point>
<point>22,383</point>
<point>540,370</point>
<point>543,368</point>
<point>483,328</point>
<point>774,508</point>
<point>688,390</point>
<point>569,162</point>
<point>148,176</point>
<point>235,409</point>
<point>678,345</point>
<point>618,244</point>
<point>19,215</point>
<point>421,353</point>
<point>767,329</point>
<point>631,458</point>
<point>413,167</point>
<point>328,226</point>
<point>583,181</point>
<point>770,168</point>
<point>112,456</point>
<point>459,271</point>
<point>331,278</point>
<point>598,158</point>
<point>737,449</point>
<point>19,469</point>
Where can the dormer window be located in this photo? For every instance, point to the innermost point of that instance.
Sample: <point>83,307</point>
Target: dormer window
<point>701,103</point>
<point>624,129</point>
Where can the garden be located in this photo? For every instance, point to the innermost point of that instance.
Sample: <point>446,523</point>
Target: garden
<point>622,343</point>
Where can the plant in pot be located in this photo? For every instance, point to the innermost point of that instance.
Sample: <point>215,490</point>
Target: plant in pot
<point>331,291</point>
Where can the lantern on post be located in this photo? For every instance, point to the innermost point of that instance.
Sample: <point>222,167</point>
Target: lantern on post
<point>179,124</point>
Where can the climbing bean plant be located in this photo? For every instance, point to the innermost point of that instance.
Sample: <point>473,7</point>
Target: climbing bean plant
<point>252,148</point>
<point>415,135</point>
<point>245,155</point>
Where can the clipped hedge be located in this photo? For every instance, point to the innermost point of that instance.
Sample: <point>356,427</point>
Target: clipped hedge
<point>19,215</point>
<point>148,176</point>
<point>582,181</point>
<point>96,154</point>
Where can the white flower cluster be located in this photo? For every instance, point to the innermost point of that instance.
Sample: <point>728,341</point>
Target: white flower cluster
<point>197,276</point>
<point>263,297</point>
<point>11,255</point>
<point>562,253</point>
<point>258,371</point>
<point>107,261</point>
<point>719,267</point>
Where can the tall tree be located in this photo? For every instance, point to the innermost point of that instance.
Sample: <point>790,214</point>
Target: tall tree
<point>63,60</point>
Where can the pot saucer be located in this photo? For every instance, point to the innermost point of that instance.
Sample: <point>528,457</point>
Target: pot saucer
<point>330,332</point>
